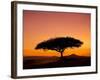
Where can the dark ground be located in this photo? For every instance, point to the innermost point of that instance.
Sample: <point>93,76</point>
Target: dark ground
<point>53,62</point>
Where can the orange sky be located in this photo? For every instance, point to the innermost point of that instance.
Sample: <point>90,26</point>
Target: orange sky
<point>39,26</point>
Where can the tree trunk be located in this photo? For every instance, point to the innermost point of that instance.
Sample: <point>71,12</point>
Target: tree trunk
<point>61,54</point>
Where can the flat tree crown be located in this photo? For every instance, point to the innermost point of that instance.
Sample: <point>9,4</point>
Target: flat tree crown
<point>59,43</point>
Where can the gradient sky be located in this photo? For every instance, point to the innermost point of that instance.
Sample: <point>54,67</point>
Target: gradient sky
<point>42,25</point>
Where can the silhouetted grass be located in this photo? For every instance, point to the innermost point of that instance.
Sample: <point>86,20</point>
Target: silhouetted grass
<point>53,62</point>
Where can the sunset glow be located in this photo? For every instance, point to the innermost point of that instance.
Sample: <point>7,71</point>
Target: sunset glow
<point>42,25</point>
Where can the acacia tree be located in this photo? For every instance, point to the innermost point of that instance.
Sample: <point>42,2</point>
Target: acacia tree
<point>59,44</point>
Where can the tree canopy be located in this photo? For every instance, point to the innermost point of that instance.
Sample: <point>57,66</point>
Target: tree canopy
<point>59,44</point>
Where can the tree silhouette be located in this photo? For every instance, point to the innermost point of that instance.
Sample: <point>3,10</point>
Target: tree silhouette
<point>59,44</point>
